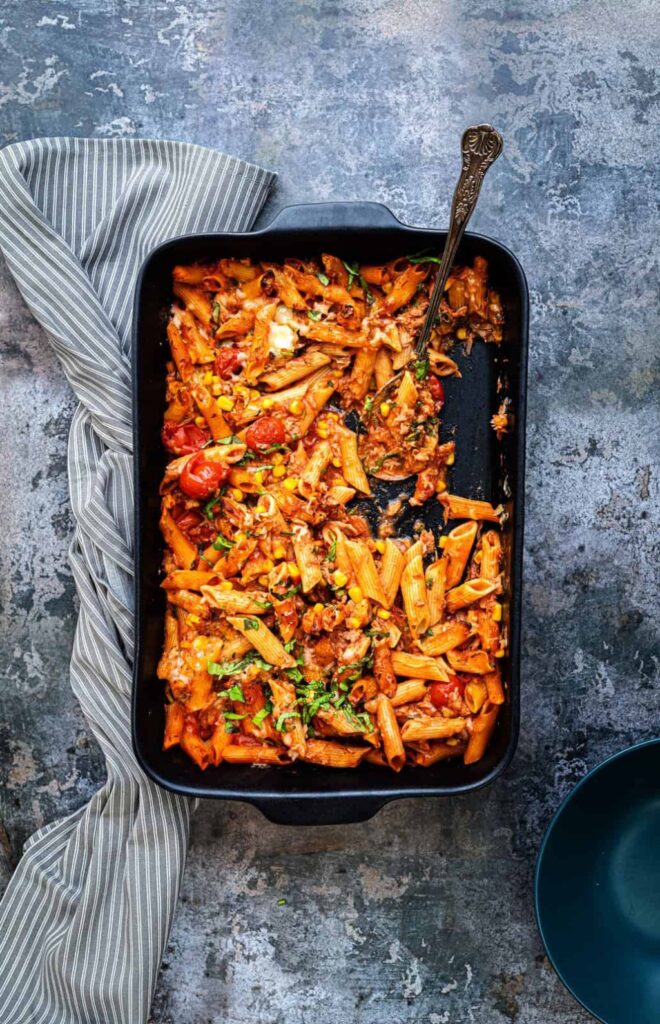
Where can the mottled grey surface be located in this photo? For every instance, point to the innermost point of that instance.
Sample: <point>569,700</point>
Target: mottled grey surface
<point>425,913</point>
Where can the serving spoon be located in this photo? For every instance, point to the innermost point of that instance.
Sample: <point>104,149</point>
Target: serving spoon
<point>481,145</point>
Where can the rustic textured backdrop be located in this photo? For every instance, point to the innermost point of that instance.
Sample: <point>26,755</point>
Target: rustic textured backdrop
<point>425,913</point>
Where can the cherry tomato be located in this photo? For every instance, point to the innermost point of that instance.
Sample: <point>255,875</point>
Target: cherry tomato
<point>201,478</point>
<point>227,362</point>
<point>440,694</point>
<point>436,388</point>
<point>184,438</point>
<point>264,432</point>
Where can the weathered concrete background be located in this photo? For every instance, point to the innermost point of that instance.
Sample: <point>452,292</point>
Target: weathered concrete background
<point>425,913</point>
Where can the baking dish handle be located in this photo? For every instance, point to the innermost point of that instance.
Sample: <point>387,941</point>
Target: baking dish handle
<point>312,216</point>
<point>323,811</point>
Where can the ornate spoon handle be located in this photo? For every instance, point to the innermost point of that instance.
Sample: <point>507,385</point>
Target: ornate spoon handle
<point>480,147</point>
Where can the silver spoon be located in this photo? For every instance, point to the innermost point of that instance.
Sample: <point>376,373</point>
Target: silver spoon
<point>480,147</point>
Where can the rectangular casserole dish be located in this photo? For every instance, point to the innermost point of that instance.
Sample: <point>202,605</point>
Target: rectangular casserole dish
<point>485,468</point>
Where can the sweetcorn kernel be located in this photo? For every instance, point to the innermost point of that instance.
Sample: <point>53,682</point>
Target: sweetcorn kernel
<point>216,388</point>
<point>225,403</point>
<point>200,421</point>
<point>497,612</point>
<point>442,542</point>
<point>385,409</point>
<point>355,594</point>
<point>193,619</point>
<point>240,536</point>
<point>277,459</point>
<point>259,477</point>
<point>336,463</point>
<point>237,494</point>
<point>208,377</point>
<point>333,416</point>
<point>383,613</point>
<point>226,585</point>
<point>279,471</point>
<point>353,622</point>
<point>268,565</point>
<point>290,483</point>
<point>197,643</point>
<point>322,431</point>
<point>340,578</point>
<point>500,652</point>
<point>263,580</point>
<point>441,486</point>
<point>461,334</point>
<point>451,459</point>
<point>267,402</point>
<point>318,607</point>
<point>380,547</point>
<point>294,571</point>
<point>296,407</point>
<point>279,551</point>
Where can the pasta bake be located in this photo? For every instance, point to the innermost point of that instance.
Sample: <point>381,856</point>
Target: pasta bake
<point>299,626</point>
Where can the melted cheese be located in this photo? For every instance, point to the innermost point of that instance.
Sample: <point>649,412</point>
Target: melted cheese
<point>281,339</point>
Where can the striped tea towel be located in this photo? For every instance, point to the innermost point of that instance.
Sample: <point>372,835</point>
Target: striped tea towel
<point>87,913</point>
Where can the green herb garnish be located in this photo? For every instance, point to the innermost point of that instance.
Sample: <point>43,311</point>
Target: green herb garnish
<point>263,713</point>
<point>323,278</point>
<point>313,314</point>
<point>332,552</point>
<point>230,668</point>
<point>421,368</point>
<point>210,505</point>
<point>291,592</point>
<point>379,462</point>
<point>279,724</point>
<point>250,623</point>
<point>420,257</point>
<point>222,544</point>
<point>266,605</point>
<point>216,311</point>
<point>235,692</point>
<point>368,403</point>
<point>231,716</point>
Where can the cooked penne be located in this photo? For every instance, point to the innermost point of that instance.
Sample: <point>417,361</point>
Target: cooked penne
<point>391,570</point>
<point>413,590</point>
<point>351,465</point>
<point>411,691</point>
<point>457,550</point>
<point>306,559</point>
<point>426,728</point>
<point>258,753</point>
<point>467,508</point>
<point>316,466</point>
<point>436,586</point>
<point>419,666</point>
<point>295,370</point>
<point>491,555</point>
<point>470,662</point>
<point>235,602</point>
<point>468,593</point>
<point>365,571</point>
<point>262,640</point>
<point>445,637</point>
<point>482,729</point>
<point>175,718</point>
<point>334,755</point>
<point>390,734</point>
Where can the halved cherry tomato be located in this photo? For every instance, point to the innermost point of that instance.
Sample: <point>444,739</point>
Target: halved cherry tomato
<point>184,438</point>
<point>440,694</point>
<point>436,388</point>
<point>201,477</point>
<point>264,432</point>
<point>227,362</point>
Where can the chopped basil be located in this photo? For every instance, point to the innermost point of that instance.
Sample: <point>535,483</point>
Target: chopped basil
<point>332,552</point>
<point>276,447</point>
<point>250,623</point>
<point>210,505</point>
<point>230,668</point>
<point>295,675</point>
<point>222,544</point>
<point>421,368</point>
<point>235,692</point>
<point>289,646</point>
<point>279,724</point>
<point>231,716</point>
<point>232,439</point>
<point>419,257</point>
<point>323,278</point>
<point>203,558</point>
<point>313,314</point>
<point>263,713</point>
<point>353,271</point>
<point>379,462</point>
<point>291,592</point>
<point>216,311</point>
<point>266,605</point>
<point>368,403</point>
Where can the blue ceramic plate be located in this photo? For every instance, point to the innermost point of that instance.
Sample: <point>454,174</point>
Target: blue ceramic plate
<point>597,888</point>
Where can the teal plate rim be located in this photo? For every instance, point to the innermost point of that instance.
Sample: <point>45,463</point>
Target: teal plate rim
<point>539,859</point>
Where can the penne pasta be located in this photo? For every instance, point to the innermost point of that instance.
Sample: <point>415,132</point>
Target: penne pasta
<point>468,593</point>
<point>388,727</point>
<point>413,590</point>
<point>467,508</point>
<point>419,666</point>
<point>426,728</point>
<point>436,585</point>
<point>263,640</point>
<point>351,465</point>
<point>457,550</point>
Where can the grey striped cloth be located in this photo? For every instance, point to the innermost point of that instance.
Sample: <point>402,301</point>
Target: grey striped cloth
<point>87,913</point>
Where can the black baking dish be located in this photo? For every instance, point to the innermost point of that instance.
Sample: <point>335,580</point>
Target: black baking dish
<point>485,468</point>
